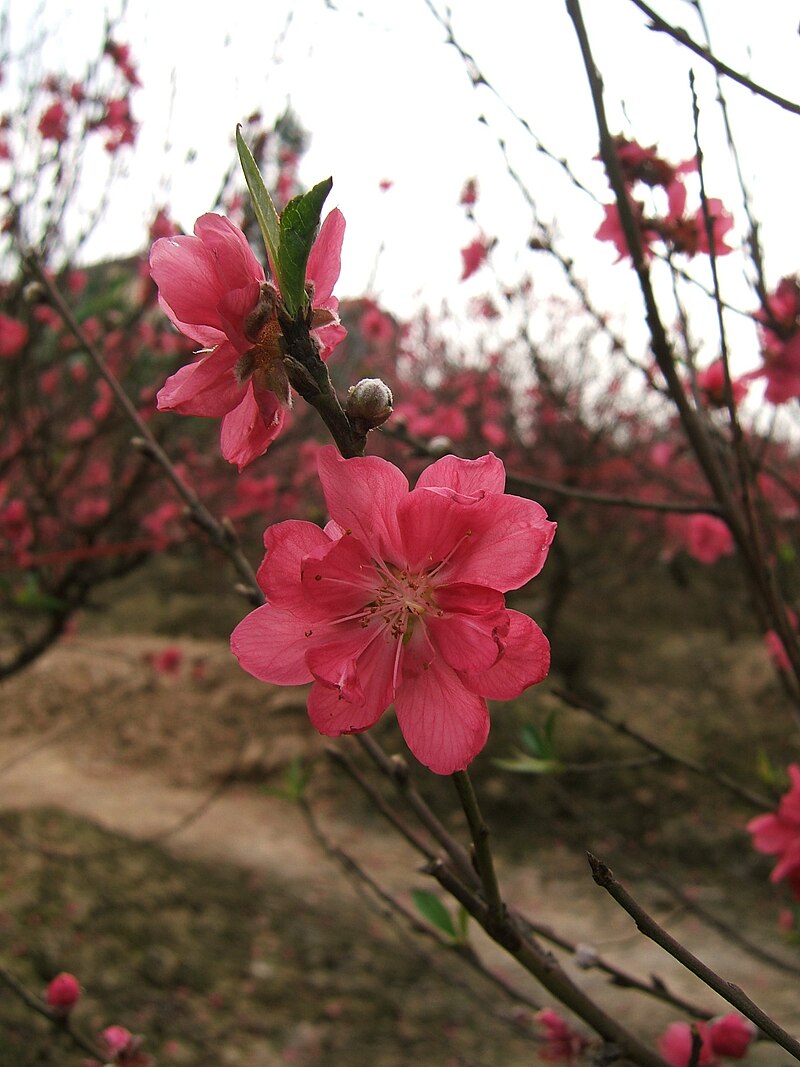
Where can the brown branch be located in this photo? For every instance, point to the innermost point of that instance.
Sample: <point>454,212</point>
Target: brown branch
<point>509,934</point>
<point>771,610</point>
<point>604,877</point>
<point>396,770</point>
<point>61,1022</point>
<point>393,909</point>
<point>755,800</point>
<point>589,496</point>
<point>660,25</point>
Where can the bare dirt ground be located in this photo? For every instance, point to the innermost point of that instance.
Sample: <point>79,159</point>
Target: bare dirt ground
<point>144,847</point>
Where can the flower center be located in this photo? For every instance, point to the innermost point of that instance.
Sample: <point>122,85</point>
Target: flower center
<point>402,600</point>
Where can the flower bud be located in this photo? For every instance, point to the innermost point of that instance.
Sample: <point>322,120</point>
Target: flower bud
<point>34,293</point>
<point>440,445</point>
<point>63,993</point>
<point>585,956</point>
<point>731,1035</point>
<point>370,401</point>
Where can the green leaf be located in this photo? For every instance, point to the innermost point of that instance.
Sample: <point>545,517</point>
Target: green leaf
<point>540,743</point>
<point>31,596</point>
<point>299,228</point>
<point>522,764</point>
<point>264,209</point>
<point>432,909</point>
<point>765,770</point>
<point>295,781</point>
<point>786,553</point>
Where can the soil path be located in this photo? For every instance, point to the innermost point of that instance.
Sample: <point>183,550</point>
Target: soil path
<point>79,770</point>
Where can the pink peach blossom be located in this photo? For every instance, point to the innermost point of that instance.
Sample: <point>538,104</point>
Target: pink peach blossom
<point>208,286</point>
<point>474,256</point>
<point>708,538</point>
<point>711,383</point>
<point>778,833</point>
<point>731,1035</point>
<point>400,600</point>
<point>676,1045</point>
<point>63,993</point>
<point>13,336</point>
<point>562,1042</point>
<point>54,123</point>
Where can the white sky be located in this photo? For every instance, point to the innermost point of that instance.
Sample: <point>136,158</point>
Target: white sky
<point>384,97</point>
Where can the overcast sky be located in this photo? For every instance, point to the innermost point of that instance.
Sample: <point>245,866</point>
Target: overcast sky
<point>384,97</point>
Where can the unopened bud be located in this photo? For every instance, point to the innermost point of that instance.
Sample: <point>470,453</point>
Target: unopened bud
<point>34,293</point>
<point>585,956</point>
<point>440,445</point>
<point>63,993</point>
<point>370,401</point>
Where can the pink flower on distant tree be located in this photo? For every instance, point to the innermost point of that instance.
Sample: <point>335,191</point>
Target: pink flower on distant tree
<point>400,600</point>
<point>63,993</point>
<point>731,1035</point>
<point>53,124</point>
<point>780,342</point>
<point>610,229</point>
<point>13,336</point>
<point>778,833</point>
<point>776,647</point>
<point>711,383</point>
<point>124,1048</point>
<point>214,290</point>
<point>689,235</point>
<point>708,538</point>
<point>562,1042</point>
<point>676,1044</point>
<point>474,256</point>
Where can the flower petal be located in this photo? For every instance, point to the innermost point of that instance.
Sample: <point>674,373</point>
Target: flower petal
<point>499,541</point>
<point>271,644</point>
<point>325,258</point>
<point>469,626</point>
<point>525,661</point>
<point>286,544</point>
<point>362,495</point>
<point>244,435</point>
<point>233,258</point>
<point>443,724</point>
<point>340,578</point>
<point>467,476</point>
<point>332,715</point>
<point>207,387</point>
<point>188,288</point>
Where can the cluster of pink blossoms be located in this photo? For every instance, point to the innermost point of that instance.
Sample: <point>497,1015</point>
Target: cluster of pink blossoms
<point>729,1036</point>
<point>780,342</point>
<point>679,231</point>
<point>400,599</point>
<point>778,833</point>
<point>212,288</point>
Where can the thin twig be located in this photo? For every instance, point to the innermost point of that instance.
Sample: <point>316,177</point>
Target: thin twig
<point>479,831</point>
<point>569,492</point>
<point>61,1022</point>
<point>604,877</point>
<point>393,909</point>
<point>509,934</point>
<point>660,25</point>
<point>396,770</point>
<point>755,800</point>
